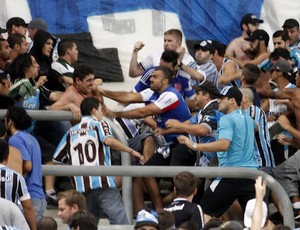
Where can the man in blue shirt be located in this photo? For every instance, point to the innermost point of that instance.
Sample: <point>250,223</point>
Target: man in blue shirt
<point>235,148</point>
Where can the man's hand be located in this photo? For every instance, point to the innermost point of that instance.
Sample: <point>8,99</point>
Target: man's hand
<point>284,139</point>
<point>41,81</point>
<point>172,123</point>
<point>260,188</point>
<point>181,52</point>
<point>108,113</point>
<point>75,110</point>
<point>138,46</point>
<point>187,141</point>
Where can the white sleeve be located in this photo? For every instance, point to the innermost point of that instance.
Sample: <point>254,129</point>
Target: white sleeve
<point>167,101</point>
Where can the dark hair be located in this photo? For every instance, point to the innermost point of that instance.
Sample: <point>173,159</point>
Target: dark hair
<point>251,73</point>
<point>165,219</point>
<point>20,118</point>
<point>175,32</point>
<point>170,56</point>
<point>190,225</point>
<point>220,48</point>
<point>167,73</point>
<point>88,104</point>
<point>185,183</point>
<point>207,87</point>
<point>281,33</point>
<point>14,39</point>
<point>280,52</point>
<point>213,223</point>
<point>2,129</point>
<point>73,197</point>
<point>81,71</point>
<point>3,150</point>
<point>83,219</point>
<point>20,65</point>
<point>46,222</point>
<point>64,45</point>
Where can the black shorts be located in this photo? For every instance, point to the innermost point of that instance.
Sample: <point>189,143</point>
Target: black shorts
<point>220,195</point>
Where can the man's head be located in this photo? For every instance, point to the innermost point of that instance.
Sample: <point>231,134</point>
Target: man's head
<point>279,54</point>
<point>5,50</point>
<point>249,23</point>
<point>219,51</point>
<point>18,43</point>
<point>248,98</point>
<point>161,78</point>
<point>230,98</point>
<point>281,68</point>
<point>17,118</point>
<point>83,78</point>
<point>3,151</point>
<point>185,184</point>
<point>146,220</point>
<point>257,39</point>
<point>291,26</point>
<point>204,51</point>
<point>250,74</point>
<point>205,92</point>
<point>169,59</point>
<point>70,202</point>
<point>172,39</point>
<point>16,25</point>
<point>83,220</point>
<point>91,106</point>
<point>67,49</point>
<point>281,39</point>
<point>35,25</point>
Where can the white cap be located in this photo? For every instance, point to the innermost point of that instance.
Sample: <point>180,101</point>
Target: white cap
<point>249,212</point>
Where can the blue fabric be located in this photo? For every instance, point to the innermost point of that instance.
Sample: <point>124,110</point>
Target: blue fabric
<point>206,19</point>
<point>237,127</point>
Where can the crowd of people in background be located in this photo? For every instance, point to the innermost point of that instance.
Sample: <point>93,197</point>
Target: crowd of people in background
<point>213,109</point>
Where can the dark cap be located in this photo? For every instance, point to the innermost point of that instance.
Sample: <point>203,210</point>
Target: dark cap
<point>2,30</point>
<point>260,35</point>
<point>15,21</point>
<point>250,19</point>
<point>205,46</point>
<point>146,218</point>
<point>232,92</point>
<point>38,23</point>
<point>290,23</point>
<point>283,66</point>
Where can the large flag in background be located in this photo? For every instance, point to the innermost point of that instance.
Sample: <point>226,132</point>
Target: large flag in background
<point>106,30</point>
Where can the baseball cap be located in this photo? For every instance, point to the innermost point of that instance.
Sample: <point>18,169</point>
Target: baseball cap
<point>146,218</point>
<point>232,92</point>
<point>283,66</point>
<point>38,23</point>
<point>260,35</point>
<point>290,23</point>
<point>249,212</point>
<point>205,46</point>
<point>2,30</point>
<point>250,19</point>
<point>15,21</point>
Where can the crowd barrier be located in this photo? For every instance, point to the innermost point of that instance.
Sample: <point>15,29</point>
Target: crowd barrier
<point>127,171</point>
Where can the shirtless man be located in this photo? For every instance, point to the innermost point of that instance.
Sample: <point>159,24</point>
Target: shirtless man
<point>82,87</point>
<point>238,47</point>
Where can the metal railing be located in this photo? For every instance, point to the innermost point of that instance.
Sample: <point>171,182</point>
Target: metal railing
<point>127,171</point>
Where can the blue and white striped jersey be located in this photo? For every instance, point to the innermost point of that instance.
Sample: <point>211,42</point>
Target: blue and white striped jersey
<point>84,144</point>
<point>12,185</point>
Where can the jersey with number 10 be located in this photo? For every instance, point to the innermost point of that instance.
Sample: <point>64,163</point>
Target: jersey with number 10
<point>84,145</point>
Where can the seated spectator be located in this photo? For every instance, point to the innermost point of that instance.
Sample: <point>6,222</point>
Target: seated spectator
<point>185,187</point>
<point>70,202</point>
<point>146,220</point>
<point>47,223</point>
<point>83,220</point>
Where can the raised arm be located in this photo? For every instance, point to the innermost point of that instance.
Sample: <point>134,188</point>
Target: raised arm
<point>121,96</point>
<point>135,68</point>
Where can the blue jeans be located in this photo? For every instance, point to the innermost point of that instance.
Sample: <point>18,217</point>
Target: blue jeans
<point>107,201</point>
<point>39,207</point>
